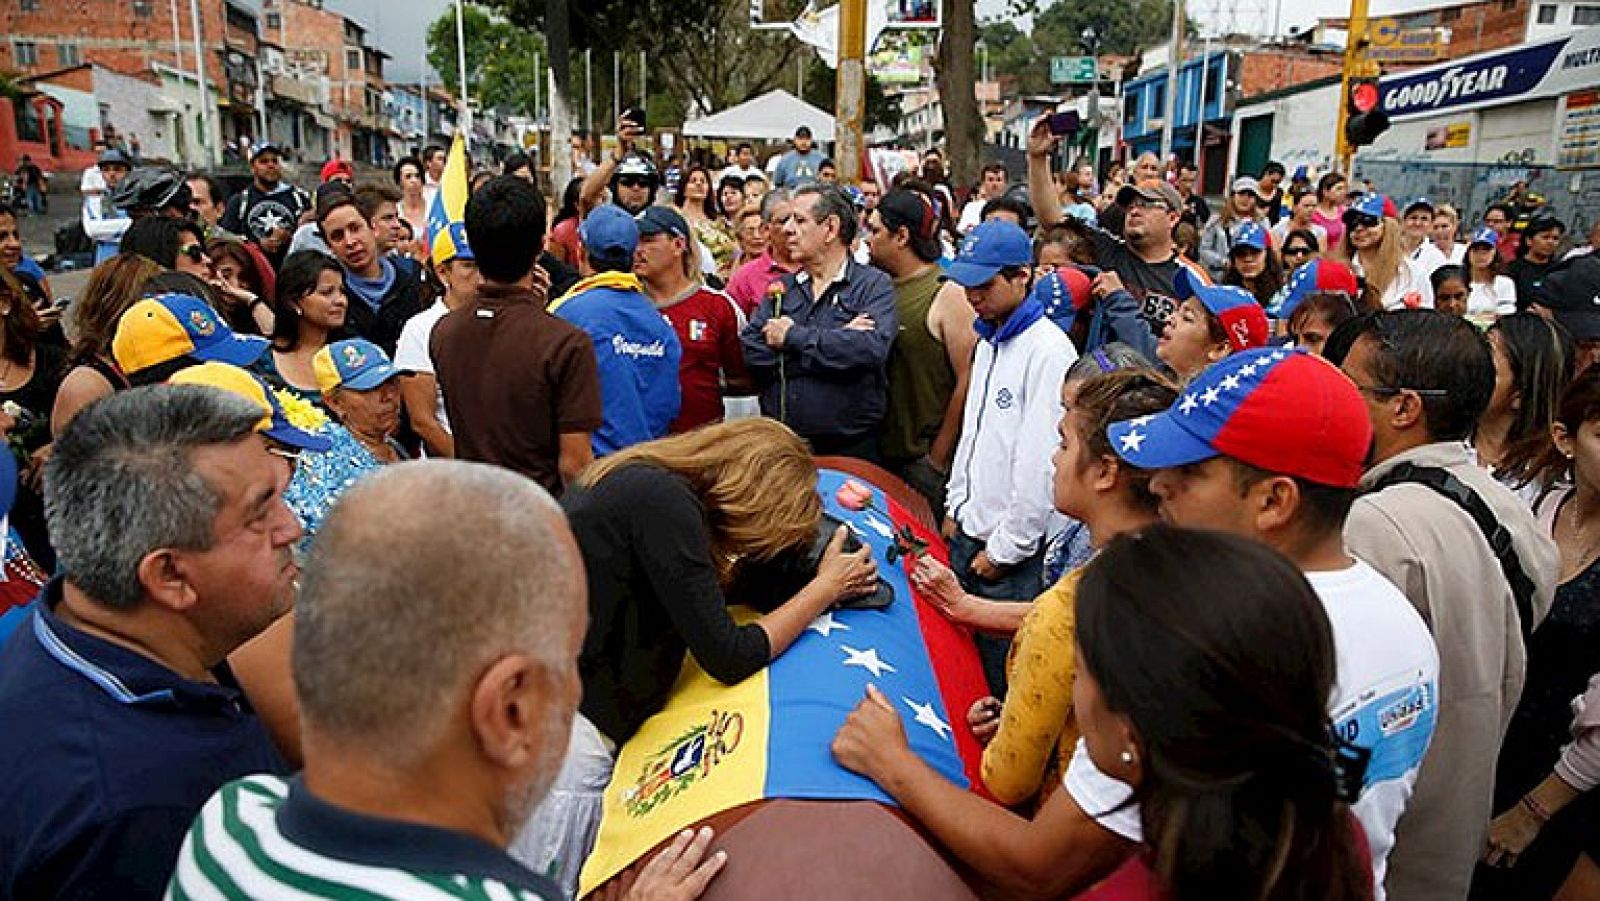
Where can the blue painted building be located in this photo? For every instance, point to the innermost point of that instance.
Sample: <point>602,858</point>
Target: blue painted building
<point>1144,101</point>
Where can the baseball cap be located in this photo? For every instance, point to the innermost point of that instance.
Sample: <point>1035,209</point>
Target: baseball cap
<point>1315,276</point>
<point>1281,410</point>
<point>1485,235</point>
<point>167,326</point>
<point>1420,203</point>
<point>1368,205</point>
<point>1242,318</point>
<point>1251,235</point>
<point>1246,183</point>
<point>274,424</point>
<point>263,148</point>
<point>1066,290</point>
<point>354,363</point>
<point>1571,292</point>
<point>334,168</point>
<point>609,233</point>
<point>661,220</point>
<point>114,156</point>
<point>803,131</point>
<point>1158,191</point>
<point>988,248</point>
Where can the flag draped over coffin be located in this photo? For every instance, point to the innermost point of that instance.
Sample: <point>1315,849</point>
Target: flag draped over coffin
<point>715,747</point>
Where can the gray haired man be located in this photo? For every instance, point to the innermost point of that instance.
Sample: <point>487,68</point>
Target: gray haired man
<point>437,675</point>
<point>120,713</point>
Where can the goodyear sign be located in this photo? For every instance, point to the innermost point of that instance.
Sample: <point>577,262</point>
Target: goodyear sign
<point>1543,69</point>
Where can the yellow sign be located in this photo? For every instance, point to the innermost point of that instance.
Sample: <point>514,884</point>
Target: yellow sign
<point>1392,44</point>
<point>1458,135</point>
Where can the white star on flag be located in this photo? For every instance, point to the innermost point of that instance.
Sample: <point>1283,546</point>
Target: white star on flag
<point>1229,383</point>
<point>927,717</point>
<point>1278,355</point>
<point>1210,396</point>
<point>1188,404</point>
<point>825,625</point>
<point>1247,370</point>
<point>1132,441</point>
<point>867,660</point>
<point>1143,421</point>
<point>877,526</point>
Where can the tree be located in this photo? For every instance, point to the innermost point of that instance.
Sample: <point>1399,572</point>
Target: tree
<point>957,83</point>
<point>822,88</point>
<point>501,58</point>
<point>1122,29</point>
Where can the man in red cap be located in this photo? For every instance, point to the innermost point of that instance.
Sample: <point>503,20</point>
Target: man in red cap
<point>1271,444</point>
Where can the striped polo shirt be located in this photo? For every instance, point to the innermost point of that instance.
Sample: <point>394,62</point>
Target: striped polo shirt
<point>263,837</point>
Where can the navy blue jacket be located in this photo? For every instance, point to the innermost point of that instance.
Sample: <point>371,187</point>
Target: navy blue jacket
<point>833,381</point>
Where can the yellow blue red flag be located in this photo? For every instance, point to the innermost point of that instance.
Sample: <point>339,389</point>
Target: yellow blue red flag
<point>715,747</point>
<point>447,233</point>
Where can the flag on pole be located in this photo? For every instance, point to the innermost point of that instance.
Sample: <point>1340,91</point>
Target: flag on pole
<point>447,232</point>
<point>715,747</point>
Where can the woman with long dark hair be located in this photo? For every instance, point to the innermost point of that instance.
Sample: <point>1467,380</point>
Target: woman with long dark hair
<point>1205,664</point>
<point>699,207</point>
<point>409,177</point>
<point>1329,213</point>
<point>309,315</point>
<point>1253,265</point>
<point>1533,359</point>
<point>564,244</point>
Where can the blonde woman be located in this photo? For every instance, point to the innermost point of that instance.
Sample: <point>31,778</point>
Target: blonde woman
<point>1373,249</point>
<point>664,527</point>
<point>1446,227</point>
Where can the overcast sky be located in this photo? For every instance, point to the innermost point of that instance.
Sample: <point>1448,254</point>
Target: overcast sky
<point>398,28</point>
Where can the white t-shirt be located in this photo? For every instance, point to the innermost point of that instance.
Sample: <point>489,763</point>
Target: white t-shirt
<point>971,215</point>
<point>1426,258</point>
<point>1498,298</point>
<point>1385,700</point>
<point>411,353</point>
<point>1410,282</point>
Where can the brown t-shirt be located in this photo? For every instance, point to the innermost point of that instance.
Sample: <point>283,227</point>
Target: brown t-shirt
<point>514,379</point>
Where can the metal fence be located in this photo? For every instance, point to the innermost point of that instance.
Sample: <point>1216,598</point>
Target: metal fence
<point>1573,195</point>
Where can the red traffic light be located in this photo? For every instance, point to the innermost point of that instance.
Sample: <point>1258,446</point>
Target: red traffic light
<point>1364,96</point>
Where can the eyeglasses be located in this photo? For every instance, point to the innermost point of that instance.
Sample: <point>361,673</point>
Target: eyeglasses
<point>1145,203</point>
<point>1296,251</point>
<point>1364,221</point>
<point>1381,391</point>
<point>293,457</point>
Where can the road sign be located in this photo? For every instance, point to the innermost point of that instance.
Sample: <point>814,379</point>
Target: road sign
<point>1073,70</point>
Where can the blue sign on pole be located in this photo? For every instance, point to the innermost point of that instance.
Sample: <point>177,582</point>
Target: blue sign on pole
<point>1470,83</point>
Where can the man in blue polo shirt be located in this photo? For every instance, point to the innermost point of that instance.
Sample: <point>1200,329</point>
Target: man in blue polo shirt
<point>120,713</point>
<point>635,348</point>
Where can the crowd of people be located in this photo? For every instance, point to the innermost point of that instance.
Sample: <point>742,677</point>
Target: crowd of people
<point>349,539</point>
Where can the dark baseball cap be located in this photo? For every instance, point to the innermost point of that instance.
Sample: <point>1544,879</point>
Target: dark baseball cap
<point>661,220</point>
<point>1571,292</point>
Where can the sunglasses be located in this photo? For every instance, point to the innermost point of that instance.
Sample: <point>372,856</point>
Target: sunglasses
<point>1296,251</point>
<point>633,181</point>
<point>1364,221</point>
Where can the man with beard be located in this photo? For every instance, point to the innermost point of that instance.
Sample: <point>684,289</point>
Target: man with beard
<point>268,211</point>
<point>413,787</point>
<point>1144,261</point>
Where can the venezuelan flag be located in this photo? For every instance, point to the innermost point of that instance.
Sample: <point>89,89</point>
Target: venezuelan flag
<point>447,235</point>
<point>715,747</point>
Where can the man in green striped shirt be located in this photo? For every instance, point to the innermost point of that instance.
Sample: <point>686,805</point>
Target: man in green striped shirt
<point>436,642</point>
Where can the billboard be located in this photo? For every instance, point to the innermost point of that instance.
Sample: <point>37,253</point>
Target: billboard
<point>1544,69</point>
<point>779,15</point>
<point>902,57</point>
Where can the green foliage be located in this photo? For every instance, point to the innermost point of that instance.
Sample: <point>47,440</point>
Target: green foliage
<point>500,58</point>
<point>1122,28</point>
<point>822,84</point>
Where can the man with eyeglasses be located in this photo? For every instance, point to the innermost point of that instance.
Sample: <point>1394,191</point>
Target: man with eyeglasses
<point>1144,261</point>
<point>1426,378</point>
<point>750,282</point>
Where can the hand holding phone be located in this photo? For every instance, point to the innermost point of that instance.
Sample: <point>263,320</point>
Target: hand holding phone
<point>1066,123</point>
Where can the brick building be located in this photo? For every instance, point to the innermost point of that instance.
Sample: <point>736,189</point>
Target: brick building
<point>1472,27</point>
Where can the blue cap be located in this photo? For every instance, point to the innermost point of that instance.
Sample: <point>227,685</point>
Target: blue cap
<point>609,233</point>
<point>990,247</point>
<point>1419,203</point>
<point>661,220</point>
<point>354,363</point>
<point>1369,205</point>
<point>1251,235</point>
<point>1485,235</point>
<point>164,327</point>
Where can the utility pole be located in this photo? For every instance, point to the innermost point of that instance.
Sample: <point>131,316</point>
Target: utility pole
<point>461,64</point>
<point>1355,45</point>
<point>644,94</point>
<point>616,85</point>
<point>1174,59</point>
<point>200,80</point>
<point>1200,117</point>
<point>588,91</point>
<point>850,112</point>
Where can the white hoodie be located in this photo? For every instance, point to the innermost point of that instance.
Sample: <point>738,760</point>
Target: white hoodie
<point>1000,483</point>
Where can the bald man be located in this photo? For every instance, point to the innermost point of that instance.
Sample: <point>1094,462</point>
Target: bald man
<point>437,677</point>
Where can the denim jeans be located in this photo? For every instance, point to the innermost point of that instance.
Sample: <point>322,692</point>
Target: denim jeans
<point>1021,582</point>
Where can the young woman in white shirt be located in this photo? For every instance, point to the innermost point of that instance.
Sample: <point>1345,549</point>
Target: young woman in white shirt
<point>1488,292</point>
<point>1372,248</point>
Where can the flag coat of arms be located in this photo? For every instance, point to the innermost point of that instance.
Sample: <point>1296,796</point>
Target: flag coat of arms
<point>715,747</point>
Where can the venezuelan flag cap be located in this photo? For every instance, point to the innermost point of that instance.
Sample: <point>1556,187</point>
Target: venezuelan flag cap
<point>355,363</point>
<point>234,380</point>
<point>167,326</point>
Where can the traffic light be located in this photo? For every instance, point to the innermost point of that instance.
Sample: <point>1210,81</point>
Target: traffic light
<point>1364,120</point>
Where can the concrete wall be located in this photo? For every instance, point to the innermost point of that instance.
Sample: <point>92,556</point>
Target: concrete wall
<point>1303,128</point>
<point>129,103</point>
<point>1517,133</point>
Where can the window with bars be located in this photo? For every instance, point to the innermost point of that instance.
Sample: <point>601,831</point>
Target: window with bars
<point>1586,15</point>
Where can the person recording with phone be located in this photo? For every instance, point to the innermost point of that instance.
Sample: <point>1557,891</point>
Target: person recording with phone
<point>627,171</point>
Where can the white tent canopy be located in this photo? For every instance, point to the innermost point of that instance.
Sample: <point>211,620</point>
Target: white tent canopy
<point>771,117</point>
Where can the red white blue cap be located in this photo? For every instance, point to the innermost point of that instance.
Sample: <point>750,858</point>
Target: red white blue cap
<point>1241,316</point>
<point>1317,275</point>
<point>1252,235</point>
<point>1485,235</point>
<point>1375,205</point>
<point>1281,410</point>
